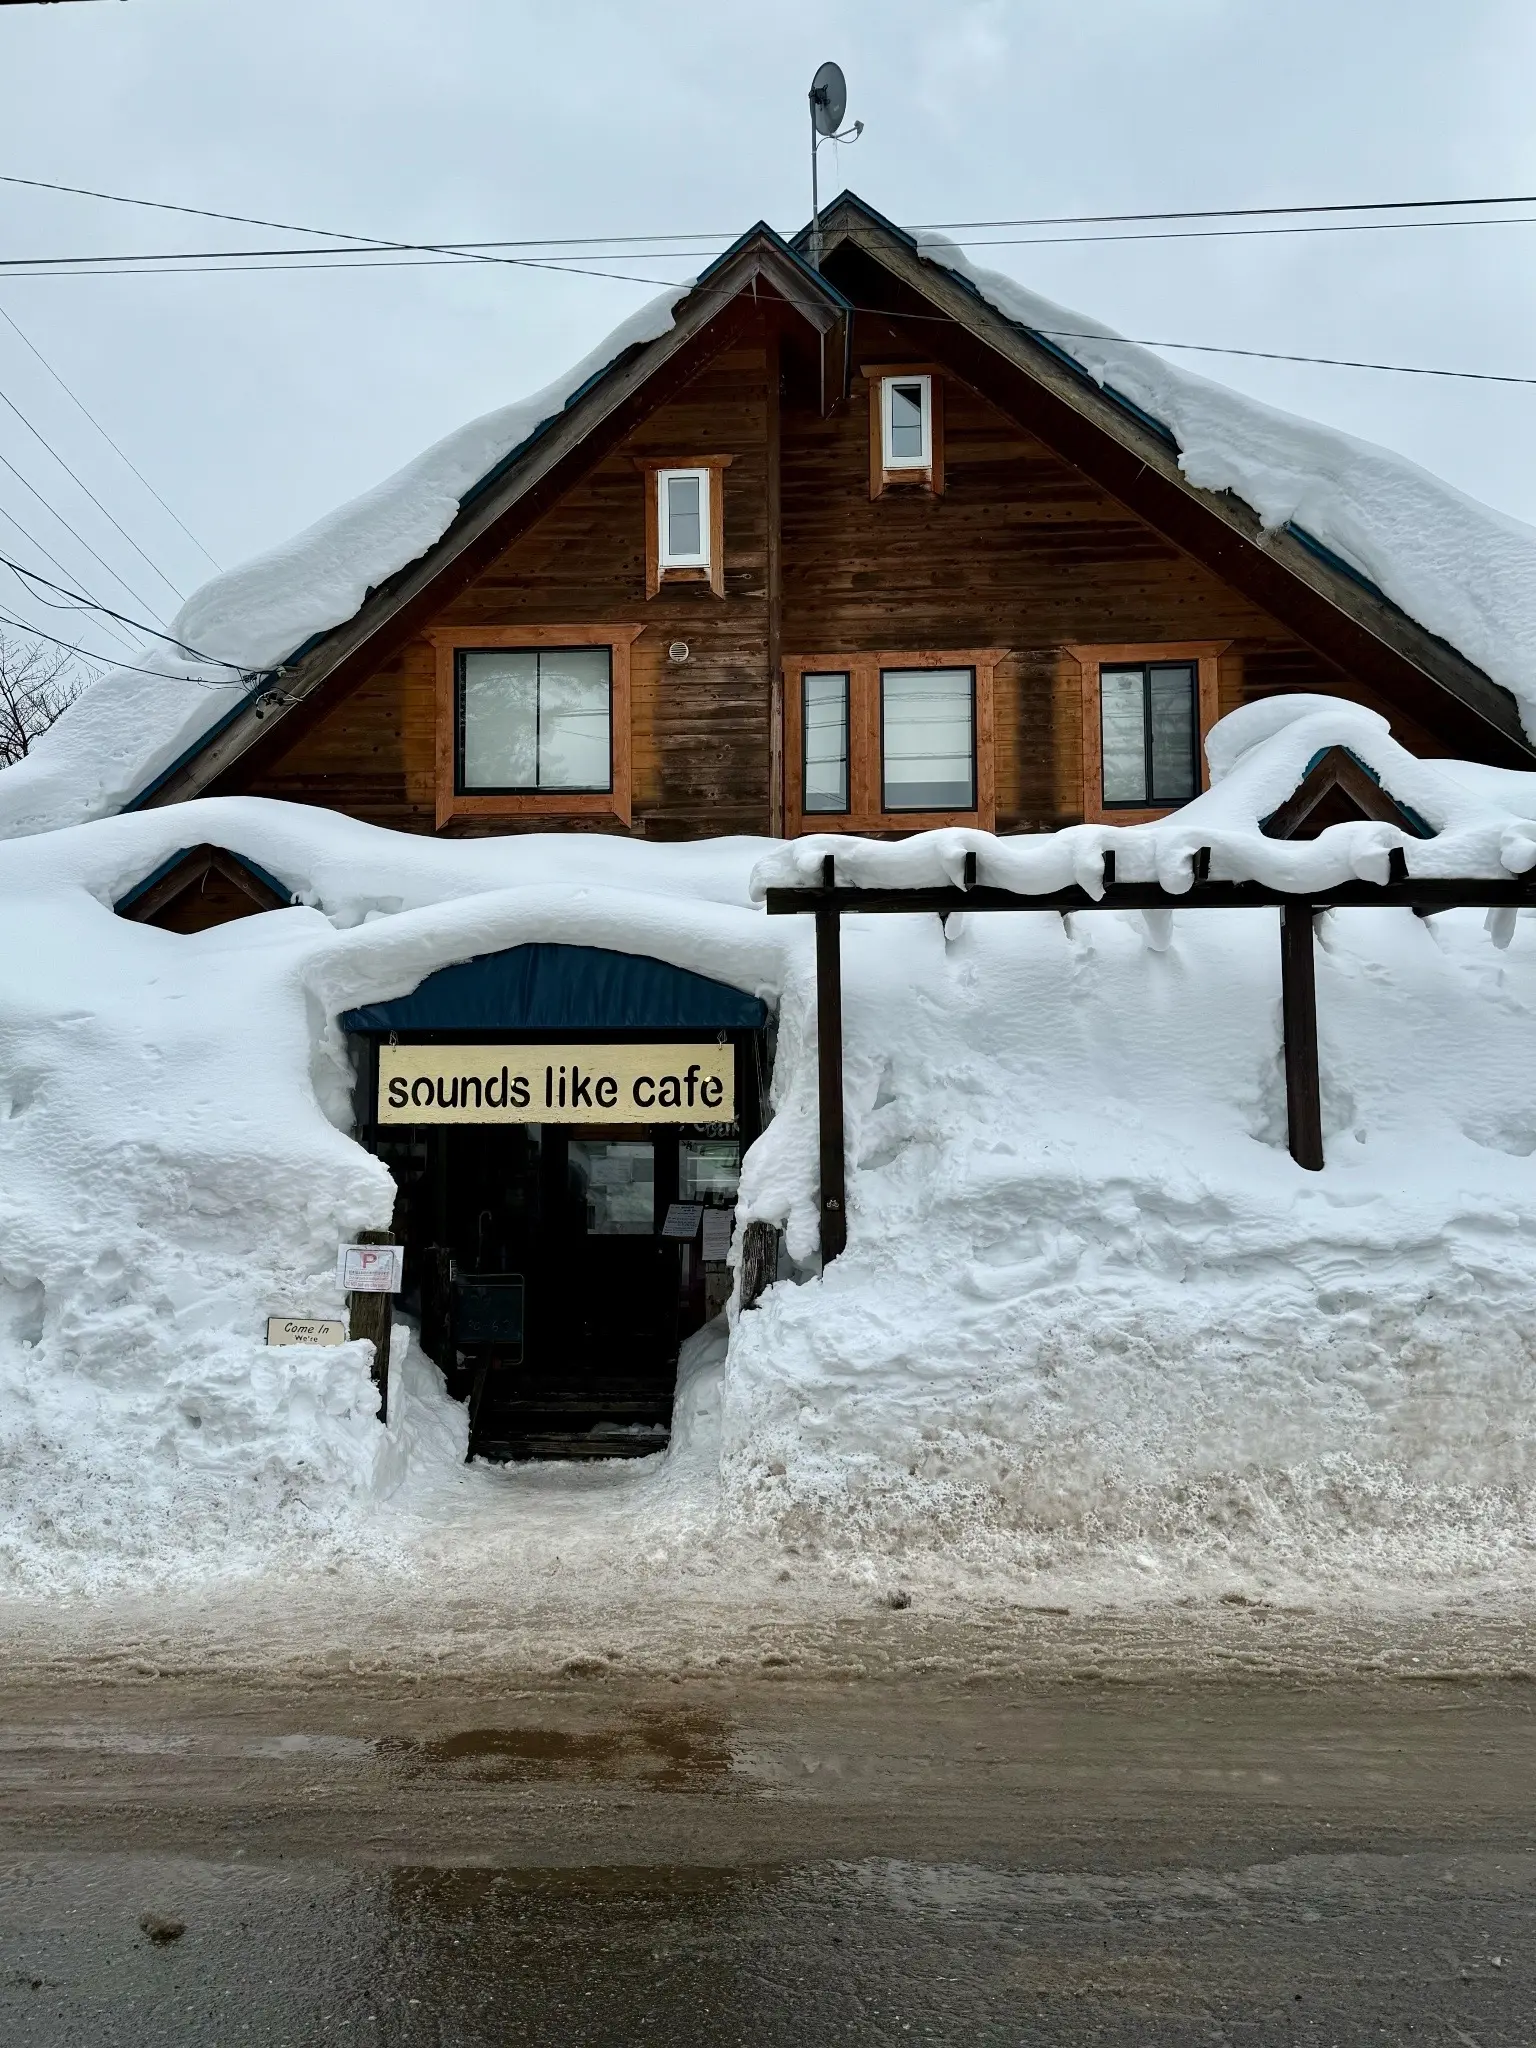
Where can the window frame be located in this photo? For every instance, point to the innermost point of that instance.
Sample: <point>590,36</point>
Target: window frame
<point>904,668</point>
<point>665,558</point>
<point>661,575</point>
<point>847,681</point>
<point>899,473</point>
<point>459,805</point>
<point>1206,657</point>
<point>865,814</point>
<point>923,459</point>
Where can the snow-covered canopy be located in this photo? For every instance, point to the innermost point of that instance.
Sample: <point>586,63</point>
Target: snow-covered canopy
<point>1459,568</point>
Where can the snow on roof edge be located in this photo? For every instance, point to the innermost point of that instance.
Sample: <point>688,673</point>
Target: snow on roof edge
<point>1460,569</point>
<point>137,723</point>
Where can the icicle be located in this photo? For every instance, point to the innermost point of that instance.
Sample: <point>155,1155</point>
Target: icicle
<point>1159,929</point>
<point>1499,924</point>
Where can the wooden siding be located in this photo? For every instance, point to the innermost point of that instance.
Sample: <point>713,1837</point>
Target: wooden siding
<point>1021,551</point>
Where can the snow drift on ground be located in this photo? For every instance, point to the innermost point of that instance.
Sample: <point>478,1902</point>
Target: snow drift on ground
<point>1093,1330</point>
<point>1459,568</point>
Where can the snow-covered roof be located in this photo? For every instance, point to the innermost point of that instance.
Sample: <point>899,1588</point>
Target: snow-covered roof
<point>1461,570</point>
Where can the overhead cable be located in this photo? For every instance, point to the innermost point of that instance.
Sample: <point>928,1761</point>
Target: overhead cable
<point>71,531</point>
<point>7,400</point>
<point>76,400</point>
<point>88,604</point>
<point>726,235</point>
<point>138,625</point>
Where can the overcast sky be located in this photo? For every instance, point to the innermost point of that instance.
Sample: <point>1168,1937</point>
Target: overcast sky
<point>253,403</point>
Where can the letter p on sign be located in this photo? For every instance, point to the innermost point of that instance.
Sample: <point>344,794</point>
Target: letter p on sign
<point>371,1268</point>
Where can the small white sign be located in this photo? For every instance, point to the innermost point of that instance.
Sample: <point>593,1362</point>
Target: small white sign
<point>306,1330</point>
<point>371,1268</point>
<point>682,1219</point>
<point>717,1235</point>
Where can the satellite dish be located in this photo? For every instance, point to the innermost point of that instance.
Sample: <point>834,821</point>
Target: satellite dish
<point>829,99</point>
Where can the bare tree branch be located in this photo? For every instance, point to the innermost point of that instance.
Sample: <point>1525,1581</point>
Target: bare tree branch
<point>38,684</point>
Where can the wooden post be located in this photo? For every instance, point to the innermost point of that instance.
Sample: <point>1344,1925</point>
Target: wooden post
<point>1298,1007</point>
<point>372,1316</point>
<point>829,1060</point>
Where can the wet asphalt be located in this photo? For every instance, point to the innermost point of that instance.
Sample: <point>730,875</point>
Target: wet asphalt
<point>606,1863</point>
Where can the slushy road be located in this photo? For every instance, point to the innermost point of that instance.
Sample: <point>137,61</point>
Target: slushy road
<point>598,1860</point>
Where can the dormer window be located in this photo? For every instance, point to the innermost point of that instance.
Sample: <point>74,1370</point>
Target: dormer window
<point>683,518</point>
<point>684,521</point>
<point>907,422</point>
<point>906,427</point>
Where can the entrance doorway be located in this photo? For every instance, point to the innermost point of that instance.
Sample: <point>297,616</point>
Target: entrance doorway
<point>557,1264</point>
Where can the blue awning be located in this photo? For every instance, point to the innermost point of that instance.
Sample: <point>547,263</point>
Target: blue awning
<point>563,988</point>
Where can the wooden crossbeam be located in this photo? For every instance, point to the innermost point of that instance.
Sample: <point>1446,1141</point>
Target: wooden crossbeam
<point>1298,980</point>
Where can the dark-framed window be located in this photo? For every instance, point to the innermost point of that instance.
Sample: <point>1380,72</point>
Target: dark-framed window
<point>1149,722</point>
<point>533,719</point>
<point>824,739</point>
<point>927,739</point>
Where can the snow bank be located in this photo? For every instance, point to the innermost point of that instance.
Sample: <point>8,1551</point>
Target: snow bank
<point>134,723</point>
<point>1461,569</point>
<point>1094,1330</point>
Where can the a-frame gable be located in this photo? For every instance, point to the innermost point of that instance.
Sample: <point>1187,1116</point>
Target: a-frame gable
<point>1338,788</point>
<point>717,310</point>
<point>1350,623</point>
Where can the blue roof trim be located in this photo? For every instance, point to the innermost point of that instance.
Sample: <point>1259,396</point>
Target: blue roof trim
<point>563,988</point>
<point>1337,563</point>
<point>761,228</point>
<point>172,861</point>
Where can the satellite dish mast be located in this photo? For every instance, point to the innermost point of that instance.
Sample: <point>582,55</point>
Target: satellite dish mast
<point>829,103</point>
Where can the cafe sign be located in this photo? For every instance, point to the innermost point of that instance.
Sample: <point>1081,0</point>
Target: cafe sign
<point>556,1084</point>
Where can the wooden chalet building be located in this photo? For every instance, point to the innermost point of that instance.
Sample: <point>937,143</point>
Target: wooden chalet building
<point>838,551</point>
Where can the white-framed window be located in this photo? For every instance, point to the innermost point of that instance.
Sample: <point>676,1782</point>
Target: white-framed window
<point>906,422</point>
<point>682,518</point>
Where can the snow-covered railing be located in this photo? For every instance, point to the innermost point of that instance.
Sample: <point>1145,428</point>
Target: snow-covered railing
<point>830,900</point>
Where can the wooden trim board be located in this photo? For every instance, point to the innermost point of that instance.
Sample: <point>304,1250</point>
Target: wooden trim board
<point>1090,659</point>
<point>453,804</point>
<point>864,813</point>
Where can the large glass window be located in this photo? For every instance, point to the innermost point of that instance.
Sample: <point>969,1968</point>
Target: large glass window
<point>1148,715</point>
<point>535,718</point>
<point>928,739</point>
<point>906,426</point>
<point>683,514</point>
<point>824,726</point>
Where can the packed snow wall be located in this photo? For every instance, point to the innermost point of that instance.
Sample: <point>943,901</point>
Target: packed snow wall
<point>1090,1307</point>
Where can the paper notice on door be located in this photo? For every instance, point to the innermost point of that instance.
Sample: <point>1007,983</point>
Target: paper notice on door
<point>682,1219</point>
<point>717,1235</point>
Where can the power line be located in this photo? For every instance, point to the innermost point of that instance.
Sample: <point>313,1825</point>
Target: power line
<point>76,400</point>
<point>138,625</point>
<point>6,400</point>
<point>133,668</point>
<point>726,235</point>
<point>59,516</point>
<point>48,556</point>
<point>679,284</point>
<point>466,252</point>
